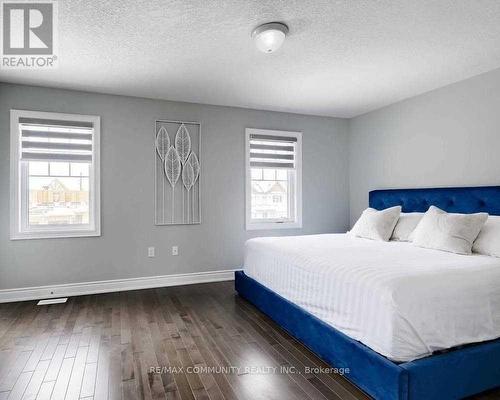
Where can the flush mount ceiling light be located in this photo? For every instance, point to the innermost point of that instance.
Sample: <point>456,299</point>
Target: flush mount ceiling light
<point>269,37</point>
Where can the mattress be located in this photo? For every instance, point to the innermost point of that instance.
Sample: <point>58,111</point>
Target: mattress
<point>402,301</point>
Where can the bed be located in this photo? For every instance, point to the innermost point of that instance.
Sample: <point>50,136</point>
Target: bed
<point>409,323</point>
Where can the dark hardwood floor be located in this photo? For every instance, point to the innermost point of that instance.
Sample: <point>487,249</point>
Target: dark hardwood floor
<point>189,342</point>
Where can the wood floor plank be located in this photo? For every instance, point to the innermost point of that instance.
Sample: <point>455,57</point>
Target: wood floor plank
<point>50,348</point>
<point>15,369</point>
<point>168,335</point>
<point>288,345</point>
<point>19,327</point>
<point>148,356</point>
<point>169,385</point>
<point>61,384</point>
<point>74,342</point>
<point>45,391</point>
<point>89,380</point>
<point>115,391</point>
<point>204,386</point>
<point>37,353</point>
<point>36,380</point>
<point>85,337</point>
<point>69,325</point>
<point>95,341</point>
<point>190,342</point>
<point>220,358</point>
<point>81,319</point>
<point>61,318</point>
<point>286,380</point>
<point>330,390</point>
<point>101,391</point>
<point>129,390</point>
<point>7,359</point>
<point>141,385</point>
<point>75,382</point>
<point>108,376</point>
<point>55,363</point>
<point>20,386</point>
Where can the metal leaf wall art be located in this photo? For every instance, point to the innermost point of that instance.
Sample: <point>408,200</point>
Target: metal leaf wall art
<point>178,160</point>
<point>162,144</point>
<point>195,165</point>
<point>183,146</point>
<point>172,172</point>
<point>188,180</point>
<point>183,143</point>
<point>193,160</point>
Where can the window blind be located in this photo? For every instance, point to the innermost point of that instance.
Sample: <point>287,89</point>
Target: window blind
<point>268,151</point>
<point>54,140</point>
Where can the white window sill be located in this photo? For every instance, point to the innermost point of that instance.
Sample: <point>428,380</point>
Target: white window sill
<point>259,226</point>
<point>54,235</point>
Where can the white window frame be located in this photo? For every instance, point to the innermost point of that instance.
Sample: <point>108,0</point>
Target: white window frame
<point>271,224</point>
<point>19,177</point>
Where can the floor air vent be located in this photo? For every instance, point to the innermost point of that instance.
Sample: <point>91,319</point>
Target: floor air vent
<point>52,301</point>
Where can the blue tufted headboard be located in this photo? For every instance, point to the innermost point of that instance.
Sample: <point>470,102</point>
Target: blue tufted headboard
<point>456,199</point>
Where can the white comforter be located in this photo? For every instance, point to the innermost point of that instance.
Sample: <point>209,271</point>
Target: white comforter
<point>402,301</point>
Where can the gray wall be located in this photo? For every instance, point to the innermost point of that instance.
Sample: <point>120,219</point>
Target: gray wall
<point>127,189</point>
<point>447,137</point>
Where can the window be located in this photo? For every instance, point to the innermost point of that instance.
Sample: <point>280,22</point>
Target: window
<point>54,175</point>
<point>273,179</point>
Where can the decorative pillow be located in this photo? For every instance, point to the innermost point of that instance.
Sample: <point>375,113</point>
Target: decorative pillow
<point>407,223</point>
<point>455,233</point>
<point>488,241</point>
<point>376,225</point>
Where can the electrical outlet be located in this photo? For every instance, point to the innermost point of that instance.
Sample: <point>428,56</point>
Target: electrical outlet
<point>175,250</point>
<point>151,251</point>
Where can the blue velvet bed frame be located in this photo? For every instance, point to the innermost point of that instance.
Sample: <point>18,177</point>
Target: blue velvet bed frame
<point>454,374</point>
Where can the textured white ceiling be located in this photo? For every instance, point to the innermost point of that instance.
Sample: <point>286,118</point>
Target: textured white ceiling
<point>342,58</point>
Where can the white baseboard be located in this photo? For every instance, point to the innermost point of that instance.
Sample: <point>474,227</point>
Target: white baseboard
<point>116,285</point>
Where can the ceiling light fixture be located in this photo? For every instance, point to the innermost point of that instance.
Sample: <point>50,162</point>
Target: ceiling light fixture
<point>269,37</point>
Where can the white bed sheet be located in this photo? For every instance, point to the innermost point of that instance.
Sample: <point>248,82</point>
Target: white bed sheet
<point>402,301</point>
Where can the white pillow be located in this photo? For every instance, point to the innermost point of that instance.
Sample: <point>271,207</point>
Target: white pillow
<point>448,232</point>
<point>376,225</point>
<point>407,223</point>
<point>488,241</point>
